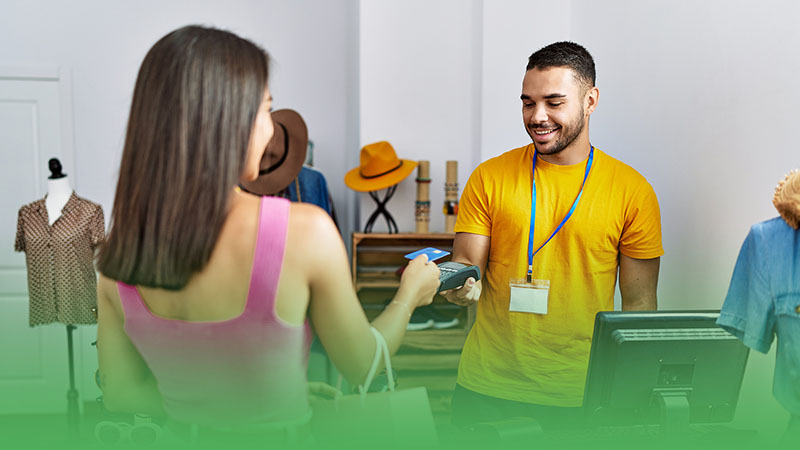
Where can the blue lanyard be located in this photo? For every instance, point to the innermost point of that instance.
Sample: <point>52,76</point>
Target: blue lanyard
<point>531,253</point>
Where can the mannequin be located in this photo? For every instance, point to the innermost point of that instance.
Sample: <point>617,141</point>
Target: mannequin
<point>59,235</point>
<point>58,191</point>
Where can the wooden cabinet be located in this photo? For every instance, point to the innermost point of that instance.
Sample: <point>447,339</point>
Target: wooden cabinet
<point>427,357</point>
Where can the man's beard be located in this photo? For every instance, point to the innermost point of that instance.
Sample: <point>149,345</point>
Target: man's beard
<point>572,131</point>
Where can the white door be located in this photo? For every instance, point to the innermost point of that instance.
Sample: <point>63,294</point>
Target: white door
<point>33,361</point>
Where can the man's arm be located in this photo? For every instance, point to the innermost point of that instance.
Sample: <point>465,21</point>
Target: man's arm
<point>638,282</point>
<point>473,250</point>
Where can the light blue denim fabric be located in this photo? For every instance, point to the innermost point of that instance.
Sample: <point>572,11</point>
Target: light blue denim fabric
<point>313,189</point>
<point>763,301</point>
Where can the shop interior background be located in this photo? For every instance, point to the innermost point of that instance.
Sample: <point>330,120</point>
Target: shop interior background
<point>699,97</point>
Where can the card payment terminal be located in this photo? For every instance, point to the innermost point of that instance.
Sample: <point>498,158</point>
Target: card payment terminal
<point>453,275</point>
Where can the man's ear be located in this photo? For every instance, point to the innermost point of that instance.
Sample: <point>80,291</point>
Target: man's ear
<point>590,100</point>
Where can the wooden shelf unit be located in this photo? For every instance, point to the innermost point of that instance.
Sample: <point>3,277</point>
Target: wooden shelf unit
<point>427,357</point>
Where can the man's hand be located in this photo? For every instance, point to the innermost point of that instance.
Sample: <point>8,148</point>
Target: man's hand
<point>466,295</point>
<point>471,250</point>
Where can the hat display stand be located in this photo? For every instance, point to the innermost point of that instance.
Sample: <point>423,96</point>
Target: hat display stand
<point>450,208</point>
<point>379,168</point>
<point>381,210</point>
<point>422,207</point>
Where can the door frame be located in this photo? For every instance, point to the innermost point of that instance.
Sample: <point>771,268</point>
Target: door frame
<point>63,76</point>
<point>84,355</point>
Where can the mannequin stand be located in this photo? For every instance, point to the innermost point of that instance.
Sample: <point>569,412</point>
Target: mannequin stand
<point>73,414</point>
<point>381,210</point>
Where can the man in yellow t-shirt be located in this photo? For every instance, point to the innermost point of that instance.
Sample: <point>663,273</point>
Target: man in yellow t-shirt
<point>528,352</point>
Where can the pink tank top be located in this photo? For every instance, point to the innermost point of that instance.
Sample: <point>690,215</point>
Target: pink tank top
<point>248,369</point>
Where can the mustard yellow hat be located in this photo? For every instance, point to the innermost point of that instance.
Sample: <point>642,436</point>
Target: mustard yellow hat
<point>380,168</point>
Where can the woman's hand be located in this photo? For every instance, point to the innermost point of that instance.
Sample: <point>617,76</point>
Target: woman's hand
<point>420,280</point>
<point>318,390</point>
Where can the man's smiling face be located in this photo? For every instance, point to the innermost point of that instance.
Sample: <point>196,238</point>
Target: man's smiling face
<point>553,108</point>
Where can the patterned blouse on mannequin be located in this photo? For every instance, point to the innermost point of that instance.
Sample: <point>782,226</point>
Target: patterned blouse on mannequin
<point>59,235</point>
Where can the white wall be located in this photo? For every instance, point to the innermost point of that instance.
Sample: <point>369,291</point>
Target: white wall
<point>697,96</point>
<point>700,98</point>
<point>418,91</point>
<point>314,70</point>
<point>441,80</point>
<point>311,44</point>
<point>512,30</point>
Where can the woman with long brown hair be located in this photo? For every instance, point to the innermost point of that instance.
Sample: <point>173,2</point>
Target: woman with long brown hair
<point>206,291</point>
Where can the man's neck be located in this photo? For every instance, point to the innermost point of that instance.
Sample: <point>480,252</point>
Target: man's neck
<point>574,154</point>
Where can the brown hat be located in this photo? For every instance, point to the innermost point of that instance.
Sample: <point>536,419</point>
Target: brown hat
<point>284,156</point>
<point>380,168</point>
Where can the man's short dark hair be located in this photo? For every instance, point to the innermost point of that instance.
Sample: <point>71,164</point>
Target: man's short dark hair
<point>565,54</point>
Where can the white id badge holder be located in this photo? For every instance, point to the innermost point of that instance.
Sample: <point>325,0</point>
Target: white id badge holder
<point>529,297</point>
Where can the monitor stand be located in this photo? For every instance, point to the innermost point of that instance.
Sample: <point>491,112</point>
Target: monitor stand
<point>674,411</point>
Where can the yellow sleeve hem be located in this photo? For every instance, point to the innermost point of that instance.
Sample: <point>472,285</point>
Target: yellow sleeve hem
<point>645,254</point>
<point>472,229</point>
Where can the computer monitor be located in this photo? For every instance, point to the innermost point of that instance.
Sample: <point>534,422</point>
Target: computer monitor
<point>669,368</point>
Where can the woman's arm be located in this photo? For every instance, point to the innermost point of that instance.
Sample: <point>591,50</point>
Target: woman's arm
<point>126,381</point>
<point>336,313</point>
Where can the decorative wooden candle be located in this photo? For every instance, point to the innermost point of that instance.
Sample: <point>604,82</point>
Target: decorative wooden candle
<point>450,209</point>
<point>422,210</point>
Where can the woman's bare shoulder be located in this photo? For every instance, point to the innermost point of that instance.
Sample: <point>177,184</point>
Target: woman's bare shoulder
<point>312,232</point>
<point>311,219</point>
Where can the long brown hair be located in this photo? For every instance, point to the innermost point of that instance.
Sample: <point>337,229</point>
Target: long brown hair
<point>194,105</point>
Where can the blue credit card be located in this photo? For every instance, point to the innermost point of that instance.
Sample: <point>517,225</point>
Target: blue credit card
<point>433,253</point>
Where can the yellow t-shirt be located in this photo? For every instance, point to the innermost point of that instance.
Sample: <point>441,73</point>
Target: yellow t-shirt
<point>543,358</point>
